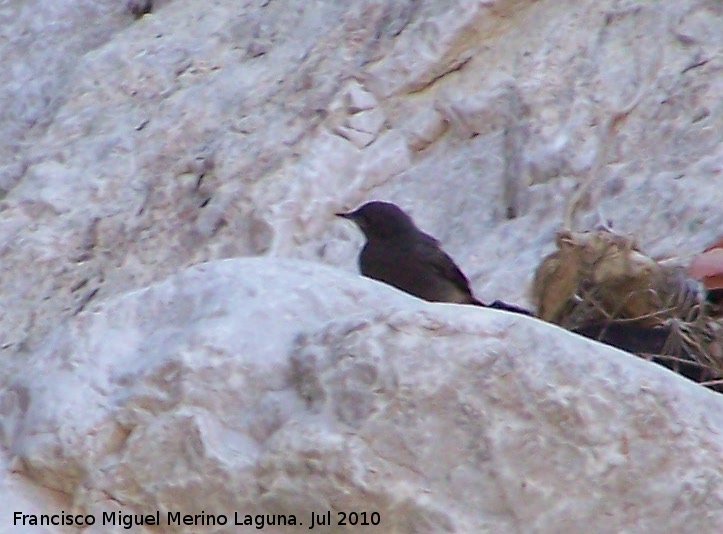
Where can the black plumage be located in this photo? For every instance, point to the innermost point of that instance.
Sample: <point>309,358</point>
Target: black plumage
<point>401,255</point>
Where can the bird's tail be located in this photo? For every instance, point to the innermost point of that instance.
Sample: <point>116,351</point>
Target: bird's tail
<point>500,305</point>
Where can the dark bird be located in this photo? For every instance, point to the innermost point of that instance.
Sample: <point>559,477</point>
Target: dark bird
<point>401,255</point>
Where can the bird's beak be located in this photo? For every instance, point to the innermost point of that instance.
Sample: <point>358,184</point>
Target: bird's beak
<point>348,215</point>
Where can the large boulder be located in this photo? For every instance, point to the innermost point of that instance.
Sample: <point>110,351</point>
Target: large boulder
<point>134,148</point>
<point>268,387</point>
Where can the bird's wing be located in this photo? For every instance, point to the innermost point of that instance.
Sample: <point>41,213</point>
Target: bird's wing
<point>433,255</point>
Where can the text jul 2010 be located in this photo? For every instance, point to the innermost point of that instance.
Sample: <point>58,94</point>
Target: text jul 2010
<point>259,521</point>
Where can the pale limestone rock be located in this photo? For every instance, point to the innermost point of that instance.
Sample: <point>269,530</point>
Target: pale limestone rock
<point>359,99</point>
<point>387,158</point>
<point>482,113</point>
<point>133,149</point>
<point>362,128</point>
<point>286,387</point>
<point>438,43</point>
<point>22,494</point>
<point>170,95</point>
<point>425,128</point>
<point>360,120</point>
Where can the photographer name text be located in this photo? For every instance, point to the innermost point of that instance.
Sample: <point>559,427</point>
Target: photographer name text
<point>259,521</point>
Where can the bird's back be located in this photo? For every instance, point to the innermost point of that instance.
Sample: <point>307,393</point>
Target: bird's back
<point>416,264</point>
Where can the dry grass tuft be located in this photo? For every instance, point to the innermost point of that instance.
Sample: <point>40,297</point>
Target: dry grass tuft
<point>599,283</point>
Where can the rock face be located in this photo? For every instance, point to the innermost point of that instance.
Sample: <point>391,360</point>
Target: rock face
<point>134,148</point>
<point>241,386</point>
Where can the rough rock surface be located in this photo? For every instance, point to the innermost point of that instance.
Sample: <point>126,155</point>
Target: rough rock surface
<point>239,386</point>
<point>133,148</point>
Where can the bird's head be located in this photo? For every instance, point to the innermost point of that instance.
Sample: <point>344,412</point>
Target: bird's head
<point>380,220</point>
